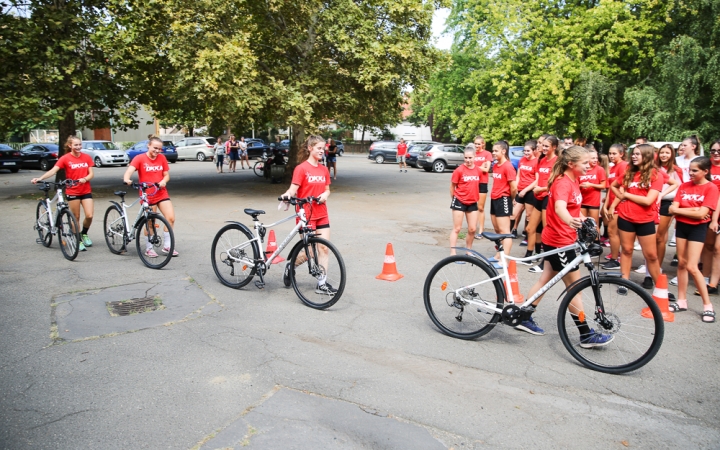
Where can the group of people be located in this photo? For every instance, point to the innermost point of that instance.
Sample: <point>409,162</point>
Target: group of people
<point>560,183</point>
<point>234,150</point>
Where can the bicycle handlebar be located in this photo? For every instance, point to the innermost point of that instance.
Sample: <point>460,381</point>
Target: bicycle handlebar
<point>144,186</point>
<point>45,185</point>
<point>299,201</point>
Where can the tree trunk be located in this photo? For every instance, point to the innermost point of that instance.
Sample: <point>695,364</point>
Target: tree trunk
<point>297,137</point>
<point>66,128</point>
<point>362,138</point>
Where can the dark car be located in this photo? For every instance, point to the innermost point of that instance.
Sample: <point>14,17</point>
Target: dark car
<point>141,147</point>
<point>10,158</point>
<point>257,148</point>
<point>39,156</point>
<point>382,151</point>
<point>283,146</point>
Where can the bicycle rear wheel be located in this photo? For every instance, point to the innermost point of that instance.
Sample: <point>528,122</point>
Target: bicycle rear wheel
<point>233,255</point>
<point>318,277</point>
<point>115,232</point>
<point>159,253</point>
<point>629,340</point>
<point>259,168</point>
<point>449,287</point>
<point>42,224</point>
<point>69,234</point>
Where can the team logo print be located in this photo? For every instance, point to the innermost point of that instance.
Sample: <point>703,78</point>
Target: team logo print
<point>693,197</point>
<point>497,175</point>
<point>470,178</point>
<point>577,198</point>
<point>315,178</point>
<point>587,177</point>
<point>79,165</point>
<point>715,177</point>
<point>544,170</point>
<point>634,184</point>
<point>528,168</point>
<point>149,168</point>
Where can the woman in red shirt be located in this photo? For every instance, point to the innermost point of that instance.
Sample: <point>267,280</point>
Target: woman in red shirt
<point>693,206</point>
<point>482,162</point>
<point>524,201</point>
<point>616,154</point>
<point>464,193</point>
<point>712,244</point>
<point>591,184</point>
<point>563,218</point>
<point>311,178</point>
<point>666,163</point>
<point>636,195</point>
<point>545,166</point>
<point>504,189</point>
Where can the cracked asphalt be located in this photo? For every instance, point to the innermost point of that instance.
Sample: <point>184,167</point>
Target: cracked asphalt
<point>181,383</point>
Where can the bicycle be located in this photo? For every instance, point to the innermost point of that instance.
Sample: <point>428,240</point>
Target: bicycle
<point>465,298</point>
<point>118,232</point>
<point>237,257</point>
<point>63,224</point>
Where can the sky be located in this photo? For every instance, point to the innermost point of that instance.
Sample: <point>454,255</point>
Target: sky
<point>438,25</point>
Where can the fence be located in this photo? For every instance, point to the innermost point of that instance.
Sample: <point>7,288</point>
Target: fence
<point>357,148</point>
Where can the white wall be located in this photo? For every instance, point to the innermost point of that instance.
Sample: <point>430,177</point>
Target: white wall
<point>404,130</point>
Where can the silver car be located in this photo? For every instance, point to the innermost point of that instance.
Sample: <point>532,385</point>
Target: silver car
<point>105,153</point>
<point>438,157</point>
<point>196,147</point>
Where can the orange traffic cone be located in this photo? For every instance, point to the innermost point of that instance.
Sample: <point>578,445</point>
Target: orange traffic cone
<point>512,270</point>
<point>389,271</point>
<point>660,295</point>
<point>271,247</point>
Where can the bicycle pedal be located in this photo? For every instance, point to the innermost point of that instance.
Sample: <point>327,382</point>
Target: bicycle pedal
<point>38,241</point>
<point>260,285</point>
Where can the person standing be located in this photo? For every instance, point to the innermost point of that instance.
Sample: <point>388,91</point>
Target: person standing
<point>483,158</point>
<point>79,167</point>
<point>693,207</point>
<point>616,154</point>
<point>152,167</point>
<point>234,147</point>
<point>401,154</point>
<point>539,216</point>
<point>591,185</point>
<point>689,149</point>
<point>332,157</point>
<point>219,155</point>
<point>525,199</point>
<point>503,191</point>
<point>243,153</point>
<point>464,193</point>
<point>711,251</point>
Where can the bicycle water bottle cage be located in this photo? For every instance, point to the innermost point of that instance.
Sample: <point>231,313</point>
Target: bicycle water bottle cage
<point>253,212</point>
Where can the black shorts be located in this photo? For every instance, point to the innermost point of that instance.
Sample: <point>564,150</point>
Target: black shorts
<point>640,229</point>
<point>78,197</point>
<point>483,188</point>
<point>541,204</point>
<point>690,232</point>
<point>589,207</point>
<point>528,199</point>
<point>665,208</point>
<point>501,207</point>
<point>457,205</point>
<point>560,260</point>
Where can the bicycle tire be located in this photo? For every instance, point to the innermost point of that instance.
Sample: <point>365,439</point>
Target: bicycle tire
<point>636,340</point>
<point>115,232</point>
<point>68,234</point>
<point>42,224</point>
<point>156,236</point>
<point>450,314</point>
<point>259,168</point>
<point>233,241</point>
<point>305,277</point>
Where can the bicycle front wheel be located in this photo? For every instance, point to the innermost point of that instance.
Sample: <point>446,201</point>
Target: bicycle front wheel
<point>115,232</point>
<point>259,168</point>
<point>318,277</point>
<point>621,339</point>
<point>449,289</point>
<point>152,247</point>
<point>233,256</point>
<point>69,234</point>
<point>42,224</point>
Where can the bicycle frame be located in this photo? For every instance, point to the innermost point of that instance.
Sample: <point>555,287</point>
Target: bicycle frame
<point>52,216</point>
<point>144,209</point>
<point>583,257</point>
<point>259,225</point>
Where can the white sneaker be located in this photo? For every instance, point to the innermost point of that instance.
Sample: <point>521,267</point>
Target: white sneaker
<point>674,281</point>
<point>637,246</point>
<point>672,243</point>
<point>536,269</point>
<point>640,269</point>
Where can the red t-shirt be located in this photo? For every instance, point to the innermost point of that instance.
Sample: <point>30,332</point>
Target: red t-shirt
<point>152,171</point>
<point>544,169</point>
<point>691,195</point>
<point>467,181</point>
<point>526,172</point>
<point>480,158</point>
<point>616,172</point>
<point>715,174</point>
<point>401,149</point>
<point>591,196</point>
<point>312,181</point>
<point>557,233</point>
<point>76,168</point>
<point>631,211</point>
<point>503,174</point>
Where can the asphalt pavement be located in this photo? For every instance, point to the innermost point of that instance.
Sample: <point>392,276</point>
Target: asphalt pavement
<point>215,367</point>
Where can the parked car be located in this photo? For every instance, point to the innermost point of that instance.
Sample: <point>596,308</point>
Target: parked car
<point>10,158</point>
<point>196,147</point>
<point>283,146</point>
<point>515,154</point>
<point>340,147</point>
<point>257,148</point>
<point>438,157</point>
<point>105,153</point>
<point>414,151</point>
<point>39,156</point>
<point>382,151</point>
<point>141,147</point>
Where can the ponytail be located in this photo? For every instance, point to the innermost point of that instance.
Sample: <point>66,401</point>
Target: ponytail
<point>571,154</point>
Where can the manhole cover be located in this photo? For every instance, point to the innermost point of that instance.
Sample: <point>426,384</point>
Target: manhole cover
<point>134,306</point>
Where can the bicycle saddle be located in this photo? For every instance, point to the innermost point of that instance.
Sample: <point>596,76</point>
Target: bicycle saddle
<point>496,236</point>
<point>253,212</point>
<point>120,193</point>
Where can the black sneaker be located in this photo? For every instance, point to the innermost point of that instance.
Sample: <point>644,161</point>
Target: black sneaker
<point>612,264</point>
<point>647,283</point>
<point>286,275</point>
<point>325,289</point>
<point>674,261</point>
<point>514,234</point>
